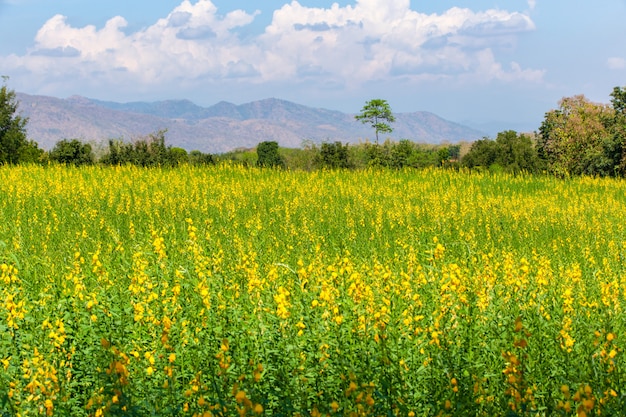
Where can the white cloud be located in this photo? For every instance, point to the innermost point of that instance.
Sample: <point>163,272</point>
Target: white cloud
<point>532,4</point>
<point>351,45</point>
<point>616,63</point>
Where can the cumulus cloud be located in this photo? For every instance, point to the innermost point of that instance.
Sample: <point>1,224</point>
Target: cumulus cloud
<point>616,63</point>
<point>365,41</point>
<point>58,52</point>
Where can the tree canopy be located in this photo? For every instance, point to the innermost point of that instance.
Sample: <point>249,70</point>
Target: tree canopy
<point>510,152</point>
<point>72,152</point>
<point>585,138</point>
<point>377,113</point>
<point>14,145</point>
<point>268,155</point>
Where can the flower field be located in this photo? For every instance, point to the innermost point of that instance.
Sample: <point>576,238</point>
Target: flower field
<point>227,291</point>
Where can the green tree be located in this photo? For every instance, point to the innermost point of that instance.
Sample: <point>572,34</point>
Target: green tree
<point>72,152</point>
<point>30,152</point>
<point>455,152</point>
<point>333,155</point>
<point>483,153</point>
<point>443,156</point>
<point>116,153</point>
<point>377,113</point>
<point>511,152</point>
<point>14,146</point>
<point>148,151</point>
<point>618,100</point>
<point>579,138</point>
<point>199,158</point>
<point>177,156</point>
<point>401,153</point>
<point>378,155</point>
<point>424,156</point>
<point>268,155</point>
<point>517,152</point>
<point>618,130</point>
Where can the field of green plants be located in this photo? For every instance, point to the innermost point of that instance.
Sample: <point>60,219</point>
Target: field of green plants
<point>231,291</point>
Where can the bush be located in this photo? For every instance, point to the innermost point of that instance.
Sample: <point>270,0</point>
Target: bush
<point>199,158</point>
<point>72,152</point>
<point>510,152</point>
<point>268,155</point>
<point>148,151</point>
<point>333,155</point>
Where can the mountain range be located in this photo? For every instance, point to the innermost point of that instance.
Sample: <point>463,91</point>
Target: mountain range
<point>221,127</point>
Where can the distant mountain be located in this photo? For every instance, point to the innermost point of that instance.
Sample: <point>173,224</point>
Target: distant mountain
<point>221,127</point>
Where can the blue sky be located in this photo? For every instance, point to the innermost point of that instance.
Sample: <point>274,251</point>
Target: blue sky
<point>475,61</point>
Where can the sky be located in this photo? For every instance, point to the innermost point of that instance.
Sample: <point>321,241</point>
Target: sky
<point>478,62</point>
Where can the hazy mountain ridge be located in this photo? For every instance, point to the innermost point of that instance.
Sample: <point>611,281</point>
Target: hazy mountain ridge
<point>221,127</point>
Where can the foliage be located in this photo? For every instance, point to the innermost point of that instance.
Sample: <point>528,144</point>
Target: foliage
<point>72,152</point>
<point>333,155</point>
<point>223,290</point>
<point>268,155</point>
<point>617,127</point>
<point>403,154</point>
<point>483,153</point>
<point>443,155</point>
<point>305,158</point>
<point>584,138</point>
<point>350,156</point>
<point>199,158</point>
<point>14,145</point>
<point>177,156</point>
<point>377,113</point>
<point>240,156</point>
<point>511,152</point>
<point>30,153</point>
<point>149,151</point>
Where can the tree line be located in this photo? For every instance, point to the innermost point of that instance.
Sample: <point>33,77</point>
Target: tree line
<point>337,155</point>
<point>580,137</point>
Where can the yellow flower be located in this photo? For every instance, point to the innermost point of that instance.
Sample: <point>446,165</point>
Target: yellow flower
<point>240,396</point>
<point>224,345</point>
<point>588,404</point>
<point>49,407</point>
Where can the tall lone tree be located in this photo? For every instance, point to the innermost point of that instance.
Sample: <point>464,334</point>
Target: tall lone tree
<point>377,114</point>
<point>13,141</point>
